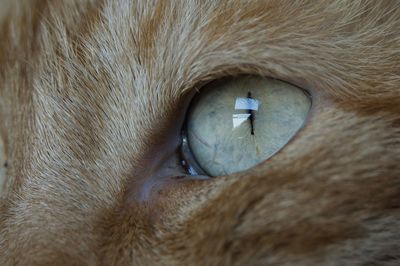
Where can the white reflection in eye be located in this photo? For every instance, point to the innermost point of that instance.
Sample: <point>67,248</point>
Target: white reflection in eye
<point>239,119</point>
<point>248,104</point>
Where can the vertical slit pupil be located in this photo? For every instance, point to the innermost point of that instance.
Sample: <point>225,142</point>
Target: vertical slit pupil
<point>251,118</point>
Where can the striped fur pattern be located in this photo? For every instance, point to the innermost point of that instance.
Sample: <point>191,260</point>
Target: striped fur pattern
<point>93,94</point>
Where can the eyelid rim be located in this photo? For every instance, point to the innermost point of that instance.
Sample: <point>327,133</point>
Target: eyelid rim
<point>187,159</point>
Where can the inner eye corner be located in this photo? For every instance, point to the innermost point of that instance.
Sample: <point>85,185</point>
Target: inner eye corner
<point>234,123</point>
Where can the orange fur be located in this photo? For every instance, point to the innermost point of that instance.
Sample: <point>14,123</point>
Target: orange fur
<point>92,98</point>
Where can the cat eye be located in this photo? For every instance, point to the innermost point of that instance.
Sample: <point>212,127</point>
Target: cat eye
<point>234,124</point>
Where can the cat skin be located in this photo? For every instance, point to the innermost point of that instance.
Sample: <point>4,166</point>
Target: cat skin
<point>93,95</point>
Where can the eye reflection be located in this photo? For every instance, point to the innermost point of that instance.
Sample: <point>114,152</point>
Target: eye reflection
<point>250,105</point>
<point>237,123</point>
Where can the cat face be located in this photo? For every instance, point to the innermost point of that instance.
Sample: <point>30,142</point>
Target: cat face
<point>93,99</point>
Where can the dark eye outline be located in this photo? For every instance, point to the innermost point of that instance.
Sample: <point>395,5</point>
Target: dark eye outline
<point>187,159</point>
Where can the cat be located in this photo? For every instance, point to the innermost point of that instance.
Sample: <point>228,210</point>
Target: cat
<point>93,97</point>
